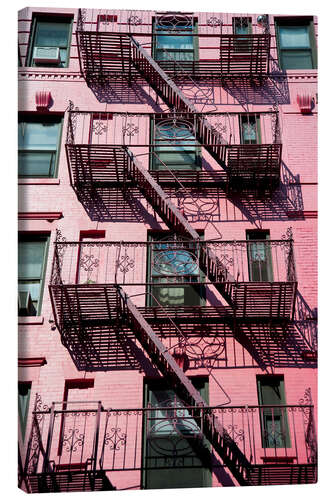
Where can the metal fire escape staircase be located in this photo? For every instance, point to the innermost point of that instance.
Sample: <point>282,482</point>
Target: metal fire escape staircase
<point>166,88</point>
<point>226,448</point>
<point>175,220</point>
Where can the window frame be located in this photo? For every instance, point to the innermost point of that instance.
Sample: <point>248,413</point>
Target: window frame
<point>258,128</point>
<point>196,149</point>
<point>55,19</point>
<point>249,24</point>
<point>195,44</point>
<point>293,22</point>
<point>38,118</point>
<point>201,383</point>
<point>268,254</point>
<point>201,289</point>
<point>30,237</point>
<point>282,413</point>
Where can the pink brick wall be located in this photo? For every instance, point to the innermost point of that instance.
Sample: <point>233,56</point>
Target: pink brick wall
<point>238,370</point>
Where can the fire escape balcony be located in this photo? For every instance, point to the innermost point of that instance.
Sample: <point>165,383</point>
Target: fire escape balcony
<point>227,151</point>
<point>209,49</point>
<point>78,446</point>
<point>175,281</point>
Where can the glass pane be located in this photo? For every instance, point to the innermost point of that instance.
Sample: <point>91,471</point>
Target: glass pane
<point>30,259</point>
<point>63,57</point>
<point>23,404</point>
<point>171,421</point>
<point>249,130</point>
<point>38,135</point>
<point>36,164</point>
<point>296,59</point>
<point>178,152</point>
<point>51,34</point>
<point>34,288</point>
<point>175,42</point>
<point>294,37</point>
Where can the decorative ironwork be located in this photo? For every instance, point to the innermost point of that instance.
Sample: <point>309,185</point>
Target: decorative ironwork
<point>194,204</point>
<point>275,124</point>
<point>130,129</point>
<point>73,440</point>
<point>220,128</point>
<point>125,263</point>
<point>35,445</point>
<point>81,19</point>
<point>236,434</point>
<point>173,261</point>
<point>134,20</point>
<point>204,349</point>
<point>214,22</point>
<point>57,264</point>
<point>88,262</point>
<point>174,129</point>
<point>173,21</point>
<point>115,439</point>
<point>99,127</point>
<point>72,122</point>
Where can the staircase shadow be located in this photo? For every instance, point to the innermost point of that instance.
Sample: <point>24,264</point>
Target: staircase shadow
<point>274,346</point>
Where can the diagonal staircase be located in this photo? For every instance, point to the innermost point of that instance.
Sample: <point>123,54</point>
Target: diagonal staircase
<point>227,449</point>
<point>169,213</point>
<point>168,91</point>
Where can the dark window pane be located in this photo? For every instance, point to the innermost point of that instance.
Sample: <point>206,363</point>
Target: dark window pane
<point>294,37</point>
<point>38,143</point>
<point>296,59</point>
<point>274,419</point>
<point>33,135</point>
<point>36,164</point>
<point>30,257</point>
<point>24,389</point>
<point>170,460</point>
<point>259,256</point>
<point>51,34</point>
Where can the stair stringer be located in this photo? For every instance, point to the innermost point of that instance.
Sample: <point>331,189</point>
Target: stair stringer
<point>226,448</point>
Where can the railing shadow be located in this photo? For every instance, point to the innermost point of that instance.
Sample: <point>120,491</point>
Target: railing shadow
<point>306,322</point>
<point>273,89</point>
<point>281,205</point>
<point>120,91</point>
<point>274,346</point>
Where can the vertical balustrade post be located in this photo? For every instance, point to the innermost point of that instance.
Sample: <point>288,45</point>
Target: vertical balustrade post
<point>49,440</point>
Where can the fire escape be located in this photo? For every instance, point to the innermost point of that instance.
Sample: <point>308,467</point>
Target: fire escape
<point>104,303</point>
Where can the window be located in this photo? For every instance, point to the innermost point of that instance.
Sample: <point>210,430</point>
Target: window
<point>32,254</point>
<point>174,40</point>
<point>175,147</point>
<point>242,25</point>
<point>53,37</point>
<point>259,256</point>
<point>173,260</point>
<point>273,420</point>
<point>38,145</point>
<point>250,129</point>
<point>175,453</point>
<point>24,390</point>
<point>296,43</point>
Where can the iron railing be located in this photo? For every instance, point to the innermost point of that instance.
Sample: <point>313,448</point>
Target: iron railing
<point>171,262</point>
<point>85,435</point>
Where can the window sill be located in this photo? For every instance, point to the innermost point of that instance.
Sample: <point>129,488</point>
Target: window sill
<point>284,460</point>
<point>38,181</point>
<point>30,320</point>
<point>301,72</point>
